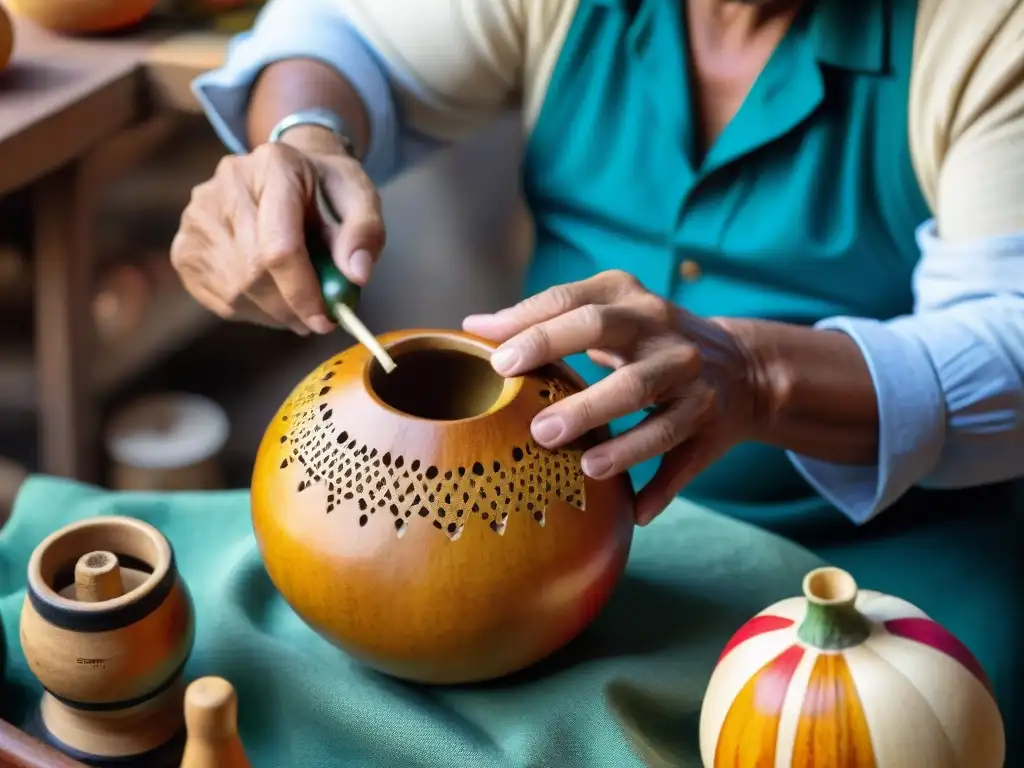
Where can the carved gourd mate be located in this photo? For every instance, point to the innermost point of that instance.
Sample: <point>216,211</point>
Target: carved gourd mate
<point>412,520</point>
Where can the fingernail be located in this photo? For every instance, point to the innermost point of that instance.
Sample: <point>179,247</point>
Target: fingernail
<point>596,466</point>
<point>360,265</point>
<point>505,360</point>
<point>476,319</point>
<point>548,429</point>
<point>320,324</point>
<point>650,512</point>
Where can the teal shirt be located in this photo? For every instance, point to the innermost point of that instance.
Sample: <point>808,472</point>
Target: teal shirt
<point>824,126</point>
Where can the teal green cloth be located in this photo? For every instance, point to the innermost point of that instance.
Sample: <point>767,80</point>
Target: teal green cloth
<point>631,685</point>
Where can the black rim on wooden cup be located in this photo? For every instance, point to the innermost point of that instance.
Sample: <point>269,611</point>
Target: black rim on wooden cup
<point>106,627</point>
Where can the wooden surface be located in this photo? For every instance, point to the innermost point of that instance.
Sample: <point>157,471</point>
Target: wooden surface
<point>59,96</point>
<point>173,64</point>
<point>64,208</point>
<point>19,750</point>
<point>75,113</point>
<point>62,95</point>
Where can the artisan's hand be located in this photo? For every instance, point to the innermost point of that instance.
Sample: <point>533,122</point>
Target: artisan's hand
<point>692,375</point>
<point>241,251</point>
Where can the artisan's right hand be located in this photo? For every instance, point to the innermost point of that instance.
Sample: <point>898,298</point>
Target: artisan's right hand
<point>240,249</point>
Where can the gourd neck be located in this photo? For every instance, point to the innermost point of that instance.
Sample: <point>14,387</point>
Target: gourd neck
<point>832,621</point>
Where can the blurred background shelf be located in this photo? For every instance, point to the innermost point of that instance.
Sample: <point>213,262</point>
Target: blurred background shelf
<point>457,243</point>
<point>173,321</point>
<point>139,313</point>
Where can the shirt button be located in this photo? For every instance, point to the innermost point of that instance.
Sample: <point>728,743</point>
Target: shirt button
<point>690,271</point>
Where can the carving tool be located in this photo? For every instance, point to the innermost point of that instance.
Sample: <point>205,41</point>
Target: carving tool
<point>340,294</point>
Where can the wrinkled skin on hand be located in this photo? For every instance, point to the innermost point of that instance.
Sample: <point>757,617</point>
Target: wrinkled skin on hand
<point>240,249</point>
<point>693,376</point>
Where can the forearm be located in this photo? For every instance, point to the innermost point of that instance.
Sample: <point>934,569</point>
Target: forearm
<point>867,409</point>
<point>817,395</point>
<point>292,85</point>
<point>304,53</point>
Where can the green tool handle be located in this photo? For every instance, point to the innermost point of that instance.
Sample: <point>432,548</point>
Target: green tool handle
<point>334,286</point>
<point>340,294</point>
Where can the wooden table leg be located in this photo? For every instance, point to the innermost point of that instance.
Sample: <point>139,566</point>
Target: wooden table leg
<point>64,207</point>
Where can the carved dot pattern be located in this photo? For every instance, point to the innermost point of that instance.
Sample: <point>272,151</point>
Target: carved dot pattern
<point>524,482</point>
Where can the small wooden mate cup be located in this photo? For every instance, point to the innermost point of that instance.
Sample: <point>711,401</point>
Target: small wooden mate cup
<point>106,627</point>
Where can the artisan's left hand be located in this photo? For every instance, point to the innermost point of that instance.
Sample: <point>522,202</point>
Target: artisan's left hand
<point>692,374</point>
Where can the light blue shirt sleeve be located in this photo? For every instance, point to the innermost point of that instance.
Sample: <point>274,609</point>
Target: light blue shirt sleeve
<point>312,29</point>
<point>949,379</point>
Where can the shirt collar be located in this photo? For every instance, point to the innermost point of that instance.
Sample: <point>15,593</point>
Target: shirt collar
<point>851,34</point>
<point>848,34</point>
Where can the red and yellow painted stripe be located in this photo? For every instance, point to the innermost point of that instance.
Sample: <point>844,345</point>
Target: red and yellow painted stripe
<point>775,703</point>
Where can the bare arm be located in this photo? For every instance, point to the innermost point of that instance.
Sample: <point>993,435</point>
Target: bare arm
<point>288,86</point>
<point>819,397</point>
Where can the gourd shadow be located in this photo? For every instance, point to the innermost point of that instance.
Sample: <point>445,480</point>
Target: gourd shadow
<point>661,729</point>
<point>17,699</point>
<point>642,618</point>
<point>257,596</point>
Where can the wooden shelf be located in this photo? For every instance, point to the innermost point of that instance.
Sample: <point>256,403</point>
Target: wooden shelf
<point>118,108</point>
<point>173,321</point>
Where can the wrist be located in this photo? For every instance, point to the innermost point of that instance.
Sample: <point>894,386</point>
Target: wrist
<point>812,390</point>
<point>315,140</point>
<point>767,375</point>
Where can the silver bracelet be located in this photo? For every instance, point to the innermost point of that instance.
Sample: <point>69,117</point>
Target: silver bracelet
<point>318,116</point>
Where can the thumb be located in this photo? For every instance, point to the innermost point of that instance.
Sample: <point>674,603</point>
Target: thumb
<point>354,225</point>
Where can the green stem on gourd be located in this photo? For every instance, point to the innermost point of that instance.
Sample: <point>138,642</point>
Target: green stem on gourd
<point>832,622</point>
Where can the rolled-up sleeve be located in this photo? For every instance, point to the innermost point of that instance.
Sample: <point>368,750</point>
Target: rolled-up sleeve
<point>428,72</point>
<point>949,378</point>
<point>311,29</point>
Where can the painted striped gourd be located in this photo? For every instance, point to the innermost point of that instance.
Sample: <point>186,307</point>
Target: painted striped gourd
<point>841,678</point>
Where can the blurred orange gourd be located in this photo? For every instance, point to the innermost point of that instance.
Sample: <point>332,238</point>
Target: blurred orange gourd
<point>6,38</point>
<point>82,16</point>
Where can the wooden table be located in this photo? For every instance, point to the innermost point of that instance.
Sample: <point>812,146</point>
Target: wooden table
<point>74,114</point>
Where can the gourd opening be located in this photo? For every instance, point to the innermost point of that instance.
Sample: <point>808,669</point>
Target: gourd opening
<point>832,621</point>
<point>439,379</point>
<point>101,564</point>
<point>830,586</point>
